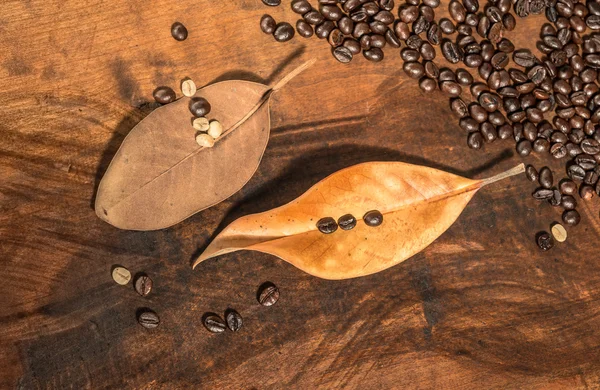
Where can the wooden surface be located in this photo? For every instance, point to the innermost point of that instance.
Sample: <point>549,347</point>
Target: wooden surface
<point>480,308</point>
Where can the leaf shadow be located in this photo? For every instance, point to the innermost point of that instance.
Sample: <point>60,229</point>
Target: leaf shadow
<point>308,169</point>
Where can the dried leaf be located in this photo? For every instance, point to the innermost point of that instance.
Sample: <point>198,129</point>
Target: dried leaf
<point>418,204</point>
<point>160,175</point>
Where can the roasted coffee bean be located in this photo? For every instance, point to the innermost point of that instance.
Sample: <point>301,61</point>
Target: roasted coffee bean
<point>541,145</point>
<point>148,319</point>
<point>586,192</point>
<point>392,39</point>
<point>463,77</point>
<point>556,198</point>
<point>413,69</point>
<point>268,24</point>
<point>544,241</point>
<point>304,29</point>
<point>374,54</point>
<point>409,55</point>
<point>586,161</point>
<point>496,32</point>
<point>531,173</point>
<point>365,42</point>
<point>468,124</point>
<point>268,294</point>
<point>506,46</point>
<point>462,40</point>
<point>546,179</point>
<point>499,60</point>
<point>314,17</point>
<point>331,12</point>
<point>478,113</point>
<point>351,5</point>
<point>524,148</point>
<point>464,30</point>
<point>343,54</point>
<point>353,46</point>
<point>301,6</point>
<point>143,285</point>
<point>427,51</point>
<point>378,27</point>
<point>323,30</point>
<point>387,5</point>
<point>477,89</point>
<point>568,202</point>
<point>234,320</point>
<point>459,107</point>
<point>434,34</point>
<point>475,140</point>
<point>488,131</point>
<point>271,3</point>
<point>164,95</point>
<point>471,5</point>
<point>284,32</point>
<point>346,25</point>
<point>179,32</point>
<point>451,88</point>
<point>505,131</point>
<point>360,29</point>
<point>373,218</point>
<point>576,172</point>
<point>489,101</point>
<point>336,38</point>
<point>543,194</point>
<point>571,217</point>
<point>427,84</point>
<point>485,70</point>
<point>199,107</point>
<point>447,26</point>
<point>590,178</point>
<point>327,225</point>
<point>214,323</point>
<point>408,13</point>
<point>524,58</point>
<point>493,14</point>
<point>509,22</point>
<point>457,11</point>
<point>590,146</point>
<point>558,150</point>
<point>473,60</point>
<point>431,69</point>
<point>347,222</point>
<point>451,51</point>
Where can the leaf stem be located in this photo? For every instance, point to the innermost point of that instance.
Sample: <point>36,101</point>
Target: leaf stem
<point>281,83</point>
<point>511,172</point>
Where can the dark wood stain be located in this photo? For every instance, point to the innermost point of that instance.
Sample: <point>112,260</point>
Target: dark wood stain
<point>481,307</point>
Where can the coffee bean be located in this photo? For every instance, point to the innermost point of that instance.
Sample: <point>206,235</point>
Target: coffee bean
<point>388,5</point>
<point>199,107</point>
<point>567,187</point>
<point>499,60</point>
<point>556,198</point>
<point>505,131</point>
<point>268,294</point>
<point>378,40</point>
<point>347,222</point>
<point>571,217</point>
<point>143,285</point>
<point>459,107</point>
<point>471,5</point>
<point>509,22</point>
<point>392,39</point>
<point>590,178</point>
<point>463,77</point>
<point>414,41</point>
<point>451,88</point>
<point>427,51</point>
<point>214,323</point>
<point>468,124</point>
<point>434,34</point>
<point>488,131</point>
<point>375,54</point>
<point>575,172</point>
<point>447,26</point>
<point>327,225</point>
<point>234,320</point>
<point>475,140</point>
<point>352,45</point>
<point>489,101</point>
<point>431,70</point>
<point>373,218</point>
<point>524,148</point>
<point>301,6</point>
<point>271,3</point>
<point>336,38</point>
<point>148,319</point>
<point>524,57</point>
<point>451,51</point>
<point>586,161</point>
<point>164,95</point>
<point>283,32</point>
<point>531,173</point>
<point>590,146</point>
<point>457,11</point>
<point>121,275</point>
<point>427,84</point>
<point>496,32</point>
<point>361,29</point>
<point>267,24</point>
<point>568,202</point>
<point>544,241</point>
<point>559,233</point>
<point>586,192</point>
<point>331,12</point>
<point>179,32</point>
<point>304,29</point>
<point>543,194</point>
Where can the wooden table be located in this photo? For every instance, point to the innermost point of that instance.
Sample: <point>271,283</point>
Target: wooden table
<point>480,308</point>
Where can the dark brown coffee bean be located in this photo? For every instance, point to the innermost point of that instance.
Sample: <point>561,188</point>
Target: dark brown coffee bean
<point>485,70</point>
<point>427,84</point>
<point>373,218</point>
<point>463,77</point>
<point>489,101</point>
<point>351,5</point>
<point>488,131</point>
<point>576,173</point>
<point>361,29</point>
<point>475,140</point>
<point>378,27</point>
<point>268,294</point>
<point>471,6</point>
<point>499,60</point>
<point>409,55</point>
<point>304,29</point>
<point>365,42</point>
<point>558,150</point>
<point>590,146</point>
<point>522,8</point>
<point>447,26</point>
<point>478,113</point>
<point>496,32</point>
<point>179,32</point>
<point>347,222</point>
<point>457,11</point>
<point>451,51</point>
<point>199,107</point>
<point>301,6</point>
<point>531,173</point>
<point>544,241</point>
<point>392,39</point>
<point>414,69</point>
<point>214,323</point>
<point>586,192</point>
<point>543,194</point>
<point>541,145</point>
<point>268,24</point>
<point>284,32</point>
<point>271,3</point>
<point>427,51</point>
<point>323,30</point>
<point>336,38</point>
<point>327,225</point>
<point>571,217</point>
<point>314,17</point>
<point>148,319</point>
<point>234,320</point>
<point>477,89</point>
<point>431,70</point>
<point>374,54</point>
<point>509,22</point>
<point>466,31</point>
<point>590,178</point>
<point>546,180</point>
<point>143,285</point>
<point>343,54</point>
<point>524,58</point>
<point>331,12</point>
<point>469,124</point>
<point>568,202</point>
<point>434,34</point>
<point>505,131</point>
<point>459,107</point>
<point>556,198</point>
<point>408,13</point>
<point>387,5</point>
<point>524,148</point>
<point>451,88</point>
<point>385,17</point>
<point>586,161</point>
<point>164,95</point>
<point>493,14</point>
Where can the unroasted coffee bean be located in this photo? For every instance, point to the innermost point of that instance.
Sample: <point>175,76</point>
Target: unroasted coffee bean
<point>559,233</point>
<point>148,319</point>
<point>304,29</point>
<point>373,218</point>
<point>327,225</point>
<point>268,24</point>
<point>234,320</point>
<point>375,54</point>
<point>143,285</point>
<point>164,95</point>
<point>544,241</point>
<point>268,294</point>
<point>214,323</point>
<point>283,32</point>
<point>199,107</point>
<point>571,217</point>
<point>531,173</point>
<point>179,32</point>
<point>271,3</point>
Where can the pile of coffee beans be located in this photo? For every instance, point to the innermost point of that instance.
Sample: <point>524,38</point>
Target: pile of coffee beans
<point>328,225</point>
<point>547,104</point>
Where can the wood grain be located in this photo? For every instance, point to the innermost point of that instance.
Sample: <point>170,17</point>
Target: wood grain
<point>480,308</point>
